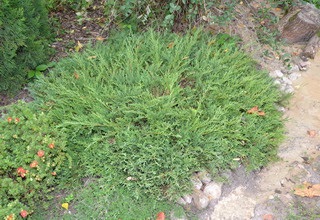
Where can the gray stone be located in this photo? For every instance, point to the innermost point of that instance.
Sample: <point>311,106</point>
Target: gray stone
<point>294,76</point>
<point>276,74</point>
<point>197,184</point>
<point>286,80</point>
<point>181,201</point>
<point>187,198</point>
<point>201,201</point>
<point>289,89</point>
<point>213,190</point>
<point>204,177</point>
<point>294,68</point>
<point>229,207</point>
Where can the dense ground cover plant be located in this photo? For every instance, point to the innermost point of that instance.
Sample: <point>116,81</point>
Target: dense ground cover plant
<point>24,34</point>
<point>33,154</point>
<point>146,111</point>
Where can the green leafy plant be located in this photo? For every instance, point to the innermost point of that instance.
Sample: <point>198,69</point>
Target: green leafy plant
<point>24,39</point>
<point>39,70</point>
<point>33,155</point>
<point>146,111</point>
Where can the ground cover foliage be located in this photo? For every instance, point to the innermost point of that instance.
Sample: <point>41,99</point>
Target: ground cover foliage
<point>24,38</point>
<point>145,111</point>
<point>33,151</point>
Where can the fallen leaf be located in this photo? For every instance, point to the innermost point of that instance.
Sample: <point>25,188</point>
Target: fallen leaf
<point>76,75</point>
<point>261,113</point>
<point>65,205</point>
<point>253,110</point>
<point>312,133</point>
<point>78,47</point>
<point>308,190</point>
<point>170,45</point>
<point>161,216</point>
<point>99,38</point>
<point>92,57</point>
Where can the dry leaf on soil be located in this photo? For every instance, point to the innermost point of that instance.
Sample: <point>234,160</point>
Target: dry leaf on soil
<point>170,45</point>
<point>76,75</point>
<point>256,110</point>
<point>253,110</point>
<point>99,38</point>
<point>312,133</point>
<point>308,190</point>
<point>78,47</point>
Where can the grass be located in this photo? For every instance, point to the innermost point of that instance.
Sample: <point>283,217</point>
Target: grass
<point>143,112</point>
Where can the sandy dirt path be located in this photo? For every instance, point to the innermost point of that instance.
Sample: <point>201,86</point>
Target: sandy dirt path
<point>271,190</point>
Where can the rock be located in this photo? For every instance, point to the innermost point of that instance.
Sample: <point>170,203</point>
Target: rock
<point>213,190</point>
<point>294,68</point>
<point>229,207</point>
<point>204,177</point>
<point>187,198</point>
<point>302,25</point>
<point>181,201</point>
<point>277,82</point>
<point>312,47</point>
<point>286,80</point>
<point>288,89</point>
<point>303,66</point>
<point>276,74</point>
<point>201,201</point>
<point>294,76</point>
<point>197,184</point>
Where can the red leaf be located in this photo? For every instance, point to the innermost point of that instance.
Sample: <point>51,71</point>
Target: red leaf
<point>253,110</point>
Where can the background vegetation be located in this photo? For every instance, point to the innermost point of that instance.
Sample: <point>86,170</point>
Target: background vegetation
<point>24,38</point>
<point>133,118</point>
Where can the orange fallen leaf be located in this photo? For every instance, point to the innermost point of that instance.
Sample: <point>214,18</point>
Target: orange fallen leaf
<point>161,216</point>
<point>312,133</point>
<point>170,45</point>
<point>308,190</point>
<point>76,75</point>
<point>253,110</point>
<point>100,38</point>
<point>261,113</point>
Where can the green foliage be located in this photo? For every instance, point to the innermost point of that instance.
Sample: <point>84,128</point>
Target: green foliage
<point>39,70</point>
<point>164,14</point>
<point>96,201</point>
<point>33,155</point>
<point>73,4</point>
<point>146,111</point>
<point>315,2</point>
<point>24,34</point>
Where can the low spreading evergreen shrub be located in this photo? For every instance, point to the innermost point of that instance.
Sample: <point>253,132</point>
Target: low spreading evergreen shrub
<point>33,157</point>
<point>146,111</point>
<point>24,34</point>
